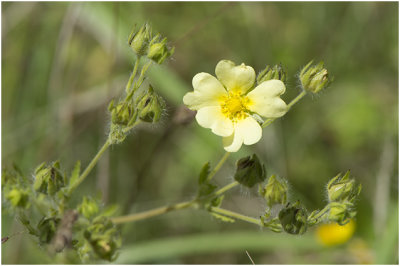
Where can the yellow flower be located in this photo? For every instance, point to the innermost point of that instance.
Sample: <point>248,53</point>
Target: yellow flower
<point>334,234</point>
<point>228,105</point>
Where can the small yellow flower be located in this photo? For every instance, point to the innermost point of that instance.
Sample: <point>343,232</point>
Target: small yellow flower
<point>227,105</point>
<point>334,234</point>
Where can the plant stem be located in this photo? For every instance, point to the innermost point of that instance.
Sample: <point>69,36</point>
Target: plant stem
<point>152,213</point>
<point>141,77</point>
<point>293,102</point>
<point>179,206</point>
<point>236,215</point>
<point>226,188</point>
<point>91,165</point>
<point>133,75</point>
<point>218,166</point>
<point>165,209</point>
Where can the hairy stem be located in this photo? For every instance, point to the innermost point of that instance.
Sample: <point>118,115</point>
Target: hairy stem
<point>218,166</point>
<point>236,215</point>
<point>226,188</point>
<point>152,213</point>
<point>293,102</point>
<point>141,77</point>
<point>133,75</point>
<point>91,165</point>
<point>161,210</point>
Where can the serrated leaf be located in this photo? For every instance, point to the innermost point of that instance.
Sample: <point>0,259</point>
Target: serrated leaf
<point>223,218</point>
<point>206,189</point>
<point>75,173</point>
<point>205,171</point>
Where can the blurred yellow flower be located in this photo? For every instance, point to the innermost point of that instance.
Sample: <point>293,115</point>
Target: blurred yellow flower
<point>228,105</point>
<point>334,234</point>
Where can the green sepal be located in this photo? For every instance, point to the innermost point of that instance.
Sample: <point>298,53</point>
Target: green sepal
<point>293,218</point>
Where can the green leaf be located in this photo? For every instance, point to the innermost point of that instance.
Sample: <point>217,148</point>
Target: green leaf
<point>75,173</point>
<point>206,189</point>
<point>205,171</point>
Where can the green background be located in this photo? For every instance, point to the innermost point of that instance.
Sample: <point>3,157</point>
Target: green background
<point>63,62</point>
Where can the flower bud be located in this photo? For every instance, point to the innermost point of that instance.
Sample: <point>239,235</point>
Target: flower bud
<point>341,212</point>
<point>88,207</point>
<point>47,228</point>
<point>158,50</point>
<point>103,238</point>
<point>293,218</point>
<point>150,106</point>
<point>18,198</point>
<point>275,191</point>
<point>139,40</point>
<point>275,72</point>
<point>48,179</point>
<point>249,171</point>
<point>342,188</point>
<point>122,113</point>
<point>117,134</point>
<point>314,78</point>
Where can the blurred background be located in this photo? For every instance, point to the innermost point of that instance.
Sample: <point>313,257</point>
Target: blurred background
<point>63,62</point>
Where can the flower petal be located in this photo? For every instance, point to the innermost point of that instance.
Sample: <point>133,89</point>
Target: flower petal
<point>249,129</point>
<point>266,101</point>
<point>233,142</point>
<point>211,117</point>
<point>207,92</point>
<point>235,78</point>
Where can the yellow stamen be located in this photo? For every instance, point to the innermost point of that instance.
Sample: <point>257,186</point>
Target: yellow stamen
<point>235,105</point>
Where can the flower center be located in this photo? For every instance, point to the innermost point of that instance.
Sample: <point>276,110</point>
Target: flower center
<point>235,106</point>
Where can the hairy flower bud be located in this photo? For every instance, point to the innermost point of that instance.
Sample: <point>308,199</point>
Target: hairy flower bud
<point>249,171</point>
<point>47,228</point>
<point>342,188</point>
<point>88,207</point>
<point>158,50</point>
<point>275,72</point>
<point>150,106</point>
<point>103,237</point>
<point>275,191</point>
<point>294,218</point>
<point>122,113</point>
<point>341,212</point>
<point>139,40</point>
<point>314,78</point>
